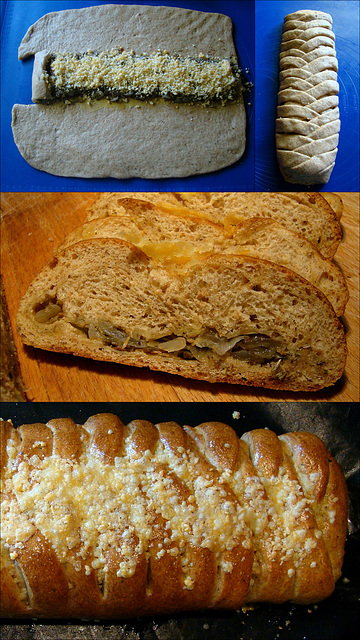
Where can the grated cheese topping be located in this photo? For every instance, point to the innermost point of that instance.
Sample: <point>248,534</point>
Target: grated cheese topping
<point>122,74</point>
<point>275,508</point>
<point>99,507</point>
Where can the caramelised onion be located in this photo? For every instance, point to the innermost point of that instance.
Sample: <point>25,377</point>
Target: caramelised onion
<point>175,344</point>
<point>254,340</point>
<point>106,331</point>
<point>257,356</point>
<point>48,313</point>
<point>254,348</point>
<point>257,348</point>
<point>218,344</point>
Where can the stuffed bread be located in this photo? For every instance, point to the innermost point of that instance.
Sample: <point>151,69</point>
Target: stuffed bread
<point>168,236</point>
<point>308,123</point>
<point>307,214</point>
<point>221,318</point>
<point>168,519</point>
<point>146,122</point>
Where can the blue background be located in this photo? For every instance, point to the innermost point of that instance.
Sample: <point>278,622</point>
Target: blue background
<point>18,175</point>
<point>269,17</point>
<point>256,25</point>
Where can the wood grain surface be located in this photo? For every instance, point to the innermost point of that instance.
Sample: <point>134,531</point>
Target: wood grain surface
<point>33,224</point>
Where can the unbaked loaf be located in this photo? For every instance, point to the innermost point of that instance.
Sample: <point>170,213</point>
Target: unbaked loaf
<point>307,214</point>
<point>112,521</point>
<point>219,317</point>
<point>308,122</point>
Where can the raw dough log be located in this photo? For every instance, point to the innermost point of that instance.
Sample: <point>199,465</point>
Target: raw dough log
<point>308,124</point>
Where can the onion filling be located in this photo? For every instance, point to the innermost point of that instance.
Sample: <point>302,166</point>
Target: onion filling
<point>256,348</point>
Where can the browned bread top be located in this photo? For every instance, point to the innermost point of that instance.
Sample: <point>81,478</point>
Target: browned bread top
<point>110,520</point>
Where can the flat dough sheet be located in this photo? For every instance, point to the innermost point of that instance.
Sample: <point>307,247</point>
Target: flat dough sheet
<point>76,140</point>
<point>122,141</point>
<point>140,27</point>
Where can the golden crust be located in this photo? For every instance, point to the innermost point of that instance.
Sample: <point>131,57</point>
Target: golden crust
<point>214,521</point>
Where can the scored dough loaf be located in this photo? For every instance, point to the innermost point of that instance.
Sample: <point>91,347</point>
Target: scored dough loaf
<point>308,123</point>
<point>112,521</point>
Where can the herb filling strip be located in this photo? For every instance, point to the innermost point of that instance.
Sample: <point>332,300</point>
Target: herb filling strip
<point>120,75</point>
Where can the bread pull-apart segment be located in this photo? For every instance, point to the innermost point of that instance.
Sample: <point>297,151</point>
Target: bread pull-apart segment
<point>106,520</point>
<point>308,124</point>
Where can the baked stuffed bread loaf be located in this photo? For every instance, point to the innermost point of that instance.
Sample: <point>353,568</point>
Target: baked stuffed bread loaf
<point>220,318</point>
<point>111,521</point>
<point>307,214</point>
<point>308,123</point>
<point>165,236</point>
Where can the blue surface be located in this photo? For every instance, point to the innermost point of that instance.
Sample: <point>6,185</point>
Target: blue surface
<point>269,17</point>
<point>18,175</point>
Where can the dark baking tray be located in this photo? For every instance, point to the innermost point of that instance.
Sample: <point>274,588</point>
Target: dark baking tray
<point>334,619</point>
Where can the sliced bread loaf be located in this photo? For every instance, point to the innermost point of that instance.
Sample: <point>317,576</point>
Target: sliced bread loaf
<point>170,237</point>
<point>335,202</point>
<point>306,214</point>
<point>221,318</point>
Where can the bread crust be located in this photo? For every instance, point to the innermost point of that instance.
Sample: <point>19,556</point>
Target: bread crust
<point>260,518</point>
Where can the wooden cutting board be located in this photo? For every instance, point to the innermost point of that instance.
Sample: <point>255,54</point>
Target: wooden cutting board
<point>33,224</point>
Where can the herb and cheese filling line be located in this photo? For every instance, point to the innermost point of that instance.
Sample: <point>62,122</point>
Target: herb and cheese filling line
<point>121,75</point>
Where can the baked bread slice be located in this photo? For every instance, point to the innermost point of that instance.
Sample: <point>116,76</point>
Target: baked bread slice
<point>308,122</point>
<point>307,214</point>
<point>168,518</point>
<point>167,236</point>
<point>221,318</point>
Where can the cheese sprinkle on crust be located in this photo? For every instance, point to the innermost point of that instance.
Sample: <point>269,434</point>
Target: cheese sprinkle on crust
<point>104,507</point>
